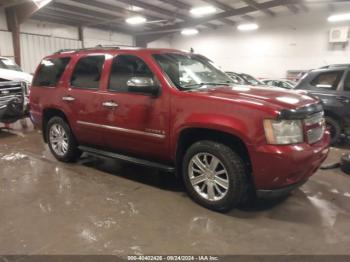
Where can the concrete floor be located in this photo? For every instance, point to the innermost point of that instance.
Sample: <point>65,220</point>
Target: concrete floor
<point>100,206</point>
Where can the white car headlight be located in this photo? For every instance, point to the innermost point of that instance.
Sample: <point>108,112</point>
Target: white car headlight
<point>283,132</point>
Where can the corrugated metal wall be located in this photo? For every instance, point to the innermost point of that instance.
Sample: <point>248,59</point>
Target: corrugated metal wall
<point>6,47</point>
<point>35,47</point>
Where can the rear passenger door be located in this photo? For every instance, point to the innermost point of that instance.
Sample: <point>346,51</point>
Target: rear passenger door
<point>138,123</point>
<point>82,98</point>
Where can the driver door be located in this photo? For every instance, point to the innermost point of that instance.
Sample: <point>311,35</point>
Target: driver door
<point>135,123</point>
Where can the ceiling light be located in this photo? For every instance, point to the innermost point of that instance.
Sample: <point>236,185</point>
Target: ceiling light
<point>41,3</point>
<point>203,10</point>
<point>189,31</point>
<point>136,20</point>
<point>135,8</point>
<point>247,27</point>
<point>339,17</point>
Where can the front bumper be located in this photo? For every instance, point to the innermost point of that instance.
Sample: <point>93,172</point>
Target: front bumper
<point>11,111</point>
<point>278,167</point>
<point>274,193</point>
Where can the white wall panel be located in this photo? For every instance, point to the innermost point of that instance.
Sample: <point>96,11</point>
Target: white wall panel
<point>93,37</point>
<point>3,24</point>
<point>35,47</point>
<point>6,47</point>
<point>50,29</point>
<point>286,42</point>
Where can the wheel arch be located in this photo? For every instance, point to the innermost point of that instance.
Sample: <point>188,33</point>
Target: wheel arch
<point>336,117</point>
<point>190,135</point>
<point>49,113</point>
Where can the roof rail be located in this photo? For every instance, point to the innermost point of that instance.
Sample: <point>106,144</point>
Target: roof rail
<point>92,48</point>
<point>65,50</point>
<point>334,66</point>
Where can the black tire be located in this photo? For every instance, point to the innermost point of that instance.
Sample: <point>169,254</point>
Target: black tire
<point>345,164</point>
<point>334,128</point>
<point>238,184</point>
<point>72,153</point>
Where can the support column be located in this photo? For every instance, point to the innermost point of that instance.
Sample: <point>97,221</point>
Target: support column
<point>14,27</point>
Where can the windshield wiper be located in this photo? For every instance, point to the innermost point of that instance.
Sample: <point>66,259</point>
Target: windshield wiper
<point>207,84</point>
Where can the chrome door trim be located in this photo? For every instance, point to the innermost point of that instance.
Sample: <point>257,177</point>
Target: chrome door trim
<point>120,129</point>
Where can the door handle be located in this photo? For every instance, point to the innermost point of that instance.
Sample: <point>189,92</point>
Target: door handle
<point>110,104</point>
<point>343,99</point>
<point>68,98</point>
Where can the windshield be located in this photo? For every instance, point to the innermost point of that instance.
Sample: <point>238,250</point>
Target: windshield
<point>191,71</point>
<point>9,64</point>
<point>251,80</point>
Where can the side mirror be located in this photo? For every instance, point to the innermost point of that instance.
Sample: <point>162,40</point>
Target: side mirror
<point>143,85</point>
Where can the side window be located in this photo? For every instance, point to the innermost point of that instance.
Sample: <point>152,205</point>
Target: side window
<point>327,80</point>
<point>125,67</point>
<point>87,72</point>
<point>50,71</point>
<point>347,82</point>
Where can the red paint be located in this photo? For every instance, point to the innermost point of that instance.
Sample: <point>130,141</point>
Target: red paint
<point>238,111</point>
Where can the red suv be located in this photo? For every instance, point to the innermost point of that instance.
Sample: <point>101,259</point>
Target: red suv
<point>178,112</point>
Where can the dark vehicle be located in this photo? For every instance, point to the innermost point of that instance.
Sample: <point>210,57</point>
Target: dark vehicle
<point>331,84</point>
<point>12,101</point>
<point>178,112</point>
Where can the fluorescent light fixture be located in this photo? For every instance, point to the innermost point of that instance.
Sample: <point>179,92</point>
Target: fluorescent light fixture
<point>203,10</point>
<point>247,27</point>
<point>136,20</point>
<point>41,3</point>
<point>135,8</point>
<point>189,31</point>
<point>339,17</point>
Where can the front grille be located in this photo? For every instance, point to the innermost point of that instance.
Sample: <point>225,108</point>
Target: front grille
<point>315,127</point>
<point>11,91</point>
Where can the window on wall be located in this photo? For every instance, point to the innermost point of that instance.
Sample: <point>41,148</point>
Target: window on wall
<point>124,67</point>
<point>328,80</point>
<point>50,71</point>
<point>87,72</point>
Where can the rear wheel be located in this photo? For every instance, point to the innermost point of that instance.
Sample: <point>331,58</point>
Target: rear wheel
<point>214,175</point>
<point>61,140</point>
<point>334,128</point>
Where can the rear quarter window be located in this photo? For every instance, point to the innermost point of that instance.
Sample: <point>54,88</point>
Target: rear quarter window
<point>50,71</point>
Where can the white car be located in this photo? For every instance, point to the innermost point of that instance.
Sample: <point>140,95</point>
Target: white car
<point>10,71</point>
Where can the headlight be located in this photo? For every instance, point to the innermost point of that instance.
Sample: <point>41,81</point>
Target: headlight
<point>26,88</point>
<point>283,132</point>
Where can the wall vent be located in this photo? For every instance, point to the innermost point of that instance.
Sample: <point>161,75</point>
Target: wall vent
<point>338,34</point>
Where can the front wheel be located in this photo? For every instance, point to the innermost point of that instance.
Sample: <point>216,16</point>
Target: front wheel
<point>61,140</point>
<point>214,175</point>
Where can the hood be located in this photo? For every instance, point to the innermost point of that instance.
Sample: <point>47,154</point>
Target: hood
<point>13,75</point>
<point>277,98</point>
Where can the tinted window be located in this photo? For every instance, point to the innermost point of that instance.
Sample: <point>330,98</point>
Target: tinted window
<point>347,82</point>
<point>50,71</point>
<point>328,80</point>
<point>125,67</point>
<point>87,72</point>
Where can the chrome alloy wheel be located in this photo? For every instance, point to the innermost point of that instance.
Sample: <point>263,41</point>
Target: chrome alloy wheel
<point>58,140</point>
<point>208,176</point>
